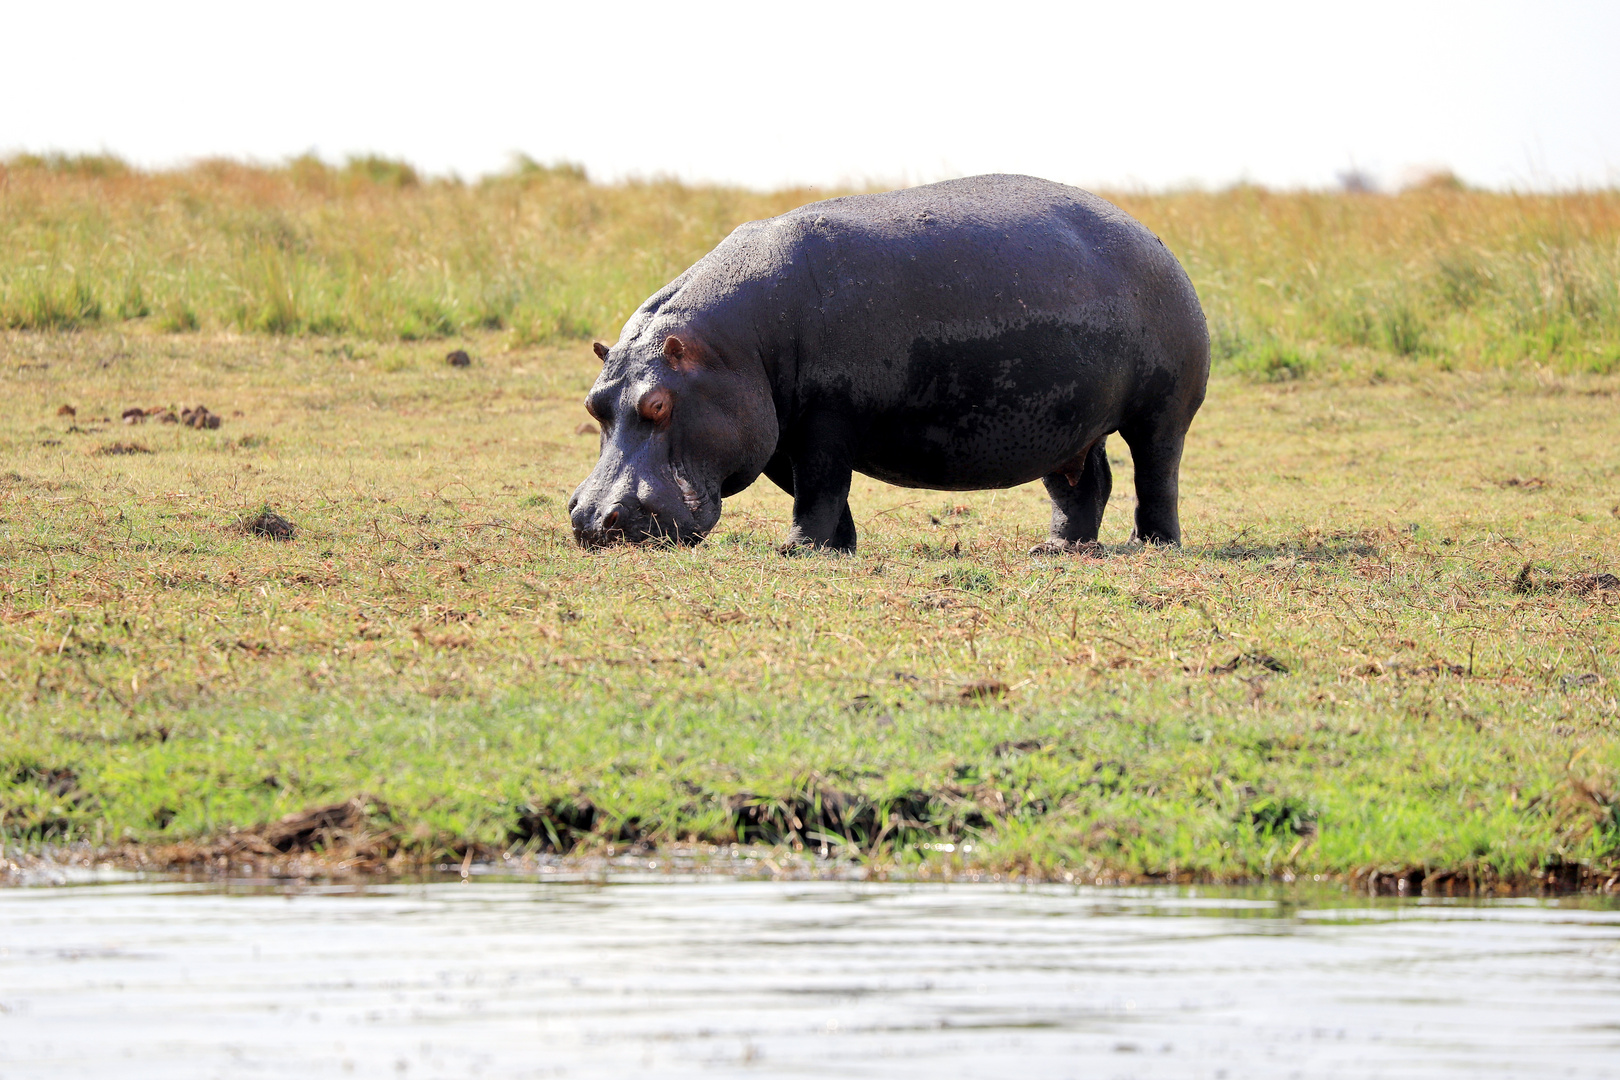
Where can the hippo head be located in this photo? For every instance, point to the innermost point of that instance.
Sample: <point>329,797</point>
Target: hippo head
<point>681,428</point>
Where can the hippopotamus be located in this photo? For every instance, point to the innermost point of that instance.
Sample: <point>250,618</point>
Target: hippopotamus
<point>975,333</point>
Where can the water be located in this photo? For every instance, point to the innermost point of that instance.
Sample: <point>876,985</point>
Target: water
<point>762,979</point>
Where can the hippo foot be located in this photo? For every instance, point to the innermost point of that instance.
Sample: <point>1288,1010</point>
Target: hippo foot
<point>1153,540</point>
<point>1055,546</point>
<point>810,547</point>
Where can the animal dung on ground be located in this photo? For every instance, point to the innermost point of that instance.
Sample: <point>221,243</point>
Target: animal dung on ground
<point>1530,581</point>
<point>1260,660</point>
<point>1591,583</point>
<point>1006,748</point>
<point>459,358</point>
<point>200,418</point>
<point>117,448</point>
<point>269,524</point>
<point>984,689</point>
<point>67,410</point>
<point>587,428</point>
<point>1596,581</point>
<point>138,415</point>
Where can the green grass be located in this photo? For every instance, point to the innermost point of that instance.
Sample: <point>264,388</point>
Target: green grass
<point>1347,669</point>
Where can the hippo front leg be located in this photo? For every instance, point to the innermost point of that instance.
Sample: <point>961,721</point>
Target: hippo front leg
<point>820,486</point>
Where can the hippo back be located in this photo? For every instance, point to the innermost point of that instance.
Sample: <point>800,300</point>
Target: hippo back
<point>970,333</point>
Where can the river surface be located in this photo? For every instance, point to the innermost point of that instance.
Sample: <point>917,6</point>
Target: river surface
<point>688,977</point>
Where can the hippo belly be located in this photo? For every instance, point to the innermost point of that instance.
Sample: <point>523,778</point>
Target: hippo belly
<point>994,411</point>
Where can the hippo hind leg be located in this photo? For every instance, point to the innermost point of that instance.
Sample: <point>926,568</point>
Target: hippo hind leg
<point>1156,455</point>
<point>1079,497</point>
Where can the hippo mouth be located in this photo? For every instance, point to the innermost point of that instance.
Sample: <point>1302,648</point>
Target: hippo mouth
<point>651,537</point>
<point>653,531</point>
<point>689,494</point>
<point>685,522</point>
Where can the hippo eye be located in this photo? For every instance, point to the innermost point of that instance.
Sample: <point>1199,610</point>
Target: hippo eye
<point>655,406</point>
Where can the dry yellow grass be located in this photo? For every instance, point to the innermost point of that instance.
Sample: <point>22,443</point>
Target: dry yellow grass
<point>1467,278</point>
<point>1293,282</point>
<point>370,250</point>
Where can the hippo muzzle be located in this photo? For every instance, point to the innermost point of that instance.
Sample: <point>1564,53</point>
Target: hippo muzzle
<point>619,503</point>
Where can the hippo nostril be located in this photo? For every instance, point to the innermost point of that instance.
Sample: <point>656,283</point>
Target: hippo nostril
<point>611,520</point>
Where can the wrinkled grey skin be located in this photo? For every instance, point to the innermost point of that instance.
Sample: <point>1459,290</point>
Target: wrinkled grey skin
<point>976,333</point>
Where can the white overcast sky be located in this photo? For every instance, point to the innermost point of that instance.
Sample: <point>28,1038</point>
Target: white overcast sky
<point>1148,95</point>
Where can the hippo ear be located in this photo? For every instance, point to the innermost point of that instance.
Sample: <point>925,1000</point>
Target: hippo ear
<point>601,351</point>
<point>681,356</point>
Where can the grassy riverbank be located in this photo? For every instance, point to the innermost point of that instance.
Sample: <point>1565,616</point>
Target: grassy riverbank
<point>1387,646</point>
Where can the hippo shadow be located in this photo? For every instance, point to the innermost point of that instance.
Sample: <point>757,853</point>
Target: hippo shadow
<point>1327,551</point>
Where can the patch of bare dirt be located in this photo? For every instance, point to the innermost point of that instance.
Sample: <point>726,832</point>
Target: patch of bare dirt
<point>1554,877</point>
<point>358,835</point>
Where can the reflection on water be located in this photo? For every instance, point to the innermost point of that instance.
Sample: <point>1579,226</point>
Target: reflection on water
<point>690,977</point>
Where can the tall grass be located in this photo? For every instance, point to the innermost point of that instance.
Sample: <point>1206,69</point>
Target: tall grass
<point>1291,281</point>
<point>370,249</point>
